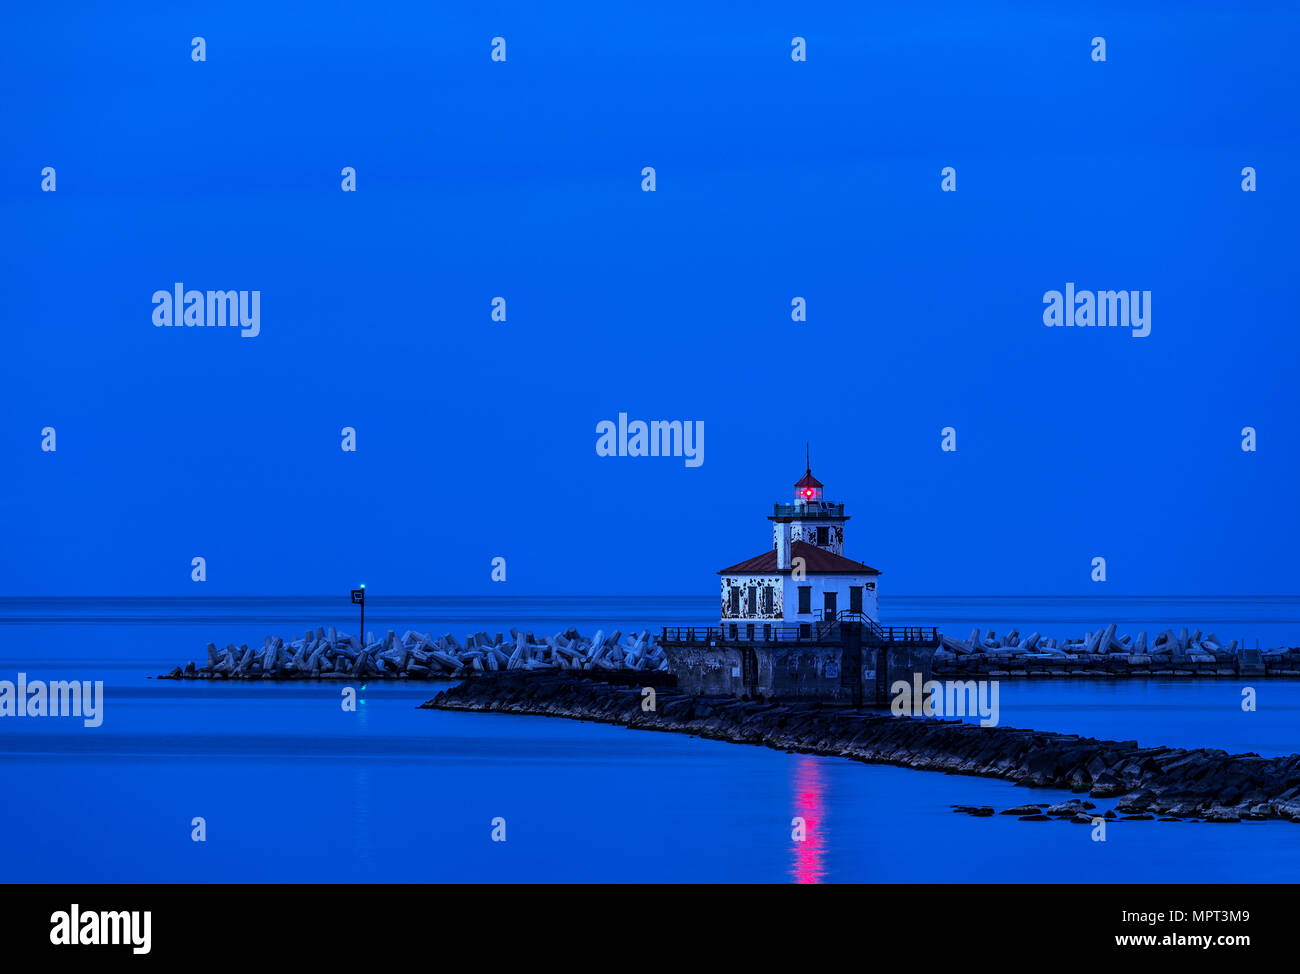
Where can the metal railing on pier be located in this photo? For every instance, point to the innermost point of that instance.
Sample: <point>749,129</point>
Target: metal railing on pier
<point>819,630</point>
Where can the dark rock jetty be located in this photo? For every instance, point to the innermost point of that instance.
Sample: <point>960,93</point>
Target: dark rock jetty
<point>1104,653</point>
<point>1147,781</point>
<point>329,655</point>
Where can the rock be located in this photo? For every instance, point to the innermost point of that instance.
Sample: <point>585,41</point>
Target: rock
<point>1065,808</point>
<point>955,647</point>
<point>1219,814</point>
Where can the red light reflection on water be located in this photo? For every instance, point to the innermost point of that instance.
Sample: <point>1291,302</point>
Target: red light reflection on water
<point>808,865</point>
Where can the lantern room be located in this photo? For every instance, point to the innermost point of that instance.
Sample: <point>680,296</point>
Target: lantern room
<point>808,489</point>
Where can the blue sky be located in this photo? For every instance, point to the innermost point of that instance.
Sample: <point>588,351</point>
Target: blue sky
<point>522,179</point>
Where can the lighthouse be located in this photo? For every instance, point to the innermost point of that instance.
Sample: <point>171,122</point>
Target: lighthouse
<point>805,577</point>
<point>800,620</point>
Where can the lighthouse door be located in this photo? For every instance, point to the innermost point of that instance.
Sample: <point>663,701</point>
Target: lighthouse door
<point>829,614</point>
<point>749,665</point>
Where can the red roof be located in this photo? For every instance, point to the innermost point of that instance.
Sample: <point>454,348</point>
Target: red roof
<point>808,480</point>
<point>817,561</point>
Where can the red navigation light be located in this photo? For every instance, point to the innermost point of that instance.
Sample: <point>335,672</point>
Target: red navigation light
<point>807,492</point>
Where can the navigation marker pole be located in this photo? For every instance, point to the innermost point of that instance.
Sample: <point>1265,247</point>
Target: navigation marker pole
<point>359,598</point>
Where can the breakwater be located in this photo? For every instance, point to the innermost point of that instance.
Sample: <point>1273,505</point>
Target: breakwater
<point>1199,784</point>
<point>1103,652</point>
<point>327,654</point>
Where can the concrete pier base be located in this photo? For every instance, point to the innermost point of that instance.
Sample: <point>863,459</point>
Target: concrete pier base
<point>850,663</point>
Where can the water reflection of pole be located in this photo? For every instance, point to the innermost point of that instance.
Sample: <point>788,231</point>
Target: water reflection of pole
<point>363,848</point>
<point>809,799</point>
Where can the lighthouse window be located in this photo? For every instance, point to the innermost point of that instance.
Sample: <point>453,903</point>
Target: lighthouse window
<point>751,603</point>
<point>805,599</point>
<point>823,537</point>
<point>735,602</point>
<point>767,601</point>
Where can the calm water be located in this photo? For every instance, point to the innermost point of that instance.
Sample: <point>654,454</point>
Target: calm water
<point>293,788</point>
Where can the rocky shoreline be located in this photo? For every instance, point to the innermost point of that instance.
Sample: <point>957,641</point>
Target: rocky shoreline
<point>1200,784</point>
<point>325,654</point>
<point>1104,653</point>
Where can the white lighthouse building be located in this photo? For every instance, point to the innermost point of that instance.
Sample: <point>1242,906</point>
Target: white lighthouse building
<point>804,579</point>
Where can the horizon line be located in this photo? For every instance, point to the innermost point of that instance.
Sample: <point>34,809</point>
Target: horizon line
<point>591,595</point>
